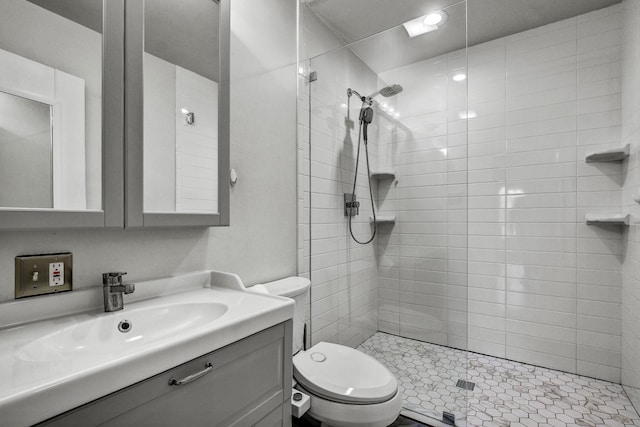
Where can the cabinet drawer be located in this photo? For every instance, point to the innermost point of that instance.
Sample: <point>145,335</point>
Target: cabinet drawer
<point>279,417</point>
<point>244,384</point>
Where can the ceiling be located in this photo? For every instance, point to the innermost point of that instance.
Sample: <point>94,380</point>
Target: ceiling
<point>374,26</point>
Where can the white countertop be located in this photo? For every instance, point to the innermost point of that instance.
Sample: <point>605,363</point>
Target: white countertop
<point>35,390</point>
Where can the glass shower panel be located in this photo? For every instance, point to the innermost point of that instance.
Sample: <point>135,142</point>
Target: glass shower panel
<point>343,273</point>
<point>403,297</point>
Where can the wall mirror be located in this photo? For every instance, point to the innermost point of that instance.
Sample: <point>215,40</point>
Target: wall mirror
<point>177,113</point>
<point>53,83</point>
<point>26,145</point>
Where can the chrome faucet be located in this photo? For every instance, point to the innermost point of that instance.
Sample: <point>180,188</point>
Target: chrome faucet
<point>113,289</point>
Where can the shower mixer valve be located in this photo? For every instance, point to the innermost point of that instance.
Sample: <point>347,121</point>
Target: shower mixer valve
<point>351,206</point>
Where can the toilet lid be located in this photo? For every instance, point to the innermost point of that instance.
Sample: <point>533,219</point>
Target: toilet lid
<point>343,374</point>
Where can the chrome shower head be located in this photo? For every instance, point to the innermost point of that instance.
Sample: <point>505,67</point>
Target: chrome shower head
<point>387,91</point>
<point>390,90</point>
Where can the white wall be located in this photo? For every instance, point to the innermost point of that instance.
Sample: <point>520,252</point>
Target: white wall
<point>631,135</point>
<point>260,244</point>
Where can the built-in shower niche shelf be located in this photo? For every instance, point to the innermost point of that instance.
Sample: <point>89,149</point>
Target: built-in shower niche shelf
<point>383,219</point>
<point>614,219</point>
<point>611,155</point>
<point>383,174</point>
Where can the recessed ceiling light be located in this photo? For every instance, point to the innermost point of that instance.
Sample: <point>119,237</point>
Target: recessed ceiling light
<point>459,77</point>
<point>433,19</point>
<point>426,23</point>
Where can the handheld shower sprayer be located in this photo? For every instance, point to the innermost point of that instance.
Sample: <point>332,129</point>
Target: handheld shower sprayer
<point>366,117</point>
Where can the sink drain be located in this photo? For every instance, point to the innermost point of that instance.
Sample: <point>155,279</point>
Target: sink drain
<point>124,326</point>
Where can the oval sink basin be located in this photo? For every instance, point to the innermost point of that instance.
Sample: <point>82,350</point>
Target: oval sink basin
<point>115,332</point>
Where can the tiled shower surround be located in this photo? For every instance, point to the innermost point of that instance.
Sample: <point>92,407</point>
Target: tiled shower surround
<point>490,251</point>
<point>496,214</point>
<point>505,394</point>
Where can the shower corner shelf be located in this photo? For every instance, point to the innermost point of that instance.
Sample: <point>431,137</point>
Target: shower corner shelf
<point>611,155</point>
<point>383,174</point>
<point>615,219</point>
<point>384,219</point>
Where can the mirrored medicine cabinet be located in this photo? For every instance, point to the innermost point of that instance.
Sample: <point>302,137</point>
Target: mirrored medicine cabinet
<point>99,129</point>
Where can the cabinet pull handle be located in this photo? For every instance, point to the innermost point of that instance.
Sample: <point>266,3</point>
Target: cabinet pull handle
<point>186,380</point>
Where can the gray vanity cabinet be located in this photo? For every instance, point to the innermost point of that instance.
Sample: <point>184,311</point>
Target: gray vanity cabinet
<point>248,384</point>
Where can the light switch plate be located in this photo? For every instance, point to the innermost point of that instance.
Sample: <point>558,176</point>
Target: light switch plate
<point>36,274</point>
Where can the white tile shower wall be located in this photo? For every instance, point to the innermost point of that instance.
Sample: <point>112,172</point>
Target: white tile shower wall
<point>599,189</point>
<point>457,202</point>
<point>343,273</point>
<point>486,198</point>
<point>422,260</point>
<point>540,262</point>
<point>631,135</point>
<point>543,287</point>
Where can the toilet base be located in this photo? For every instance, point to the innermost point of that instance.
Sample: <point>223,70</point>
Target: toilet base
<point>336,414</point>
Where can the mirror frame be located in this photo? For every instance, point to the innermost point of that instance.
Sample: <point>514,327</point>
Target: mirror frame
<point>110,216</point>
<point>135,216</point>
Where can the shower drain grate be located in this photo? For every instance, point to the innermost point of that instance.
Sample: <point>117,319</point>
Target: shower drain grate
<point>467,385</point>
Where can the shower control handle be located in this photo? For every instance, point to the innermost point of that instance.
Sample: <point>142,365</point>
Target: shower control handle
<point>351,205</point>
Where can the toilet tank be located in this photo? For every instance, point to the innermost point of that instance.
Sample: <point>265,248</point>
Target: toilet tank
<point>296,288</point>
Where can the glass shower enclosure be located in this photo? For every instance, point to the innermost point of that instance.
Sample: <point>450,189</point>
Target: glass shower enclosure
<point>402,298</point>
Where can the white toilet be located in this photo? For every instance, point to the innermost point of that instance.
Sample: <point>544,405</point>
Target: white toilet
<point>347,387</point>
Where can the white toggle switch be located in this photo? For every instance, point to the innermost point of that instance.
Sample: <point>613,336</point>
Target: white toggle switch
<point>56,274</point>
<point>35,276</point>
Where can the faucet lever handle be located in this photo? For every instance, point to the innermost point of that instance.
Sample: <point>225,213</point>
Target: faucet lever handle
<point>112,278</point>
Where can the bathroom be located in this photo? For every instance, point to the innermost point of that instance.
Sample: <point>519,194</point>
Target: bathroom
<point>489,254</point>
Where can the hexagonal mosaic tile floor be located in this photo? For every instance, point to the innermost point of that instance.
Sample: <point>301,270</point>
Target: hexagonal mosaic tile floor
<point>506,393</point>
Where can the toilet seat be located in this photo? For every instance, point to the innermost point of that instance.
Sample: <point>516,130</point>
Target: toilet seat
<point>345,375</point>
<point>351,415</point>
